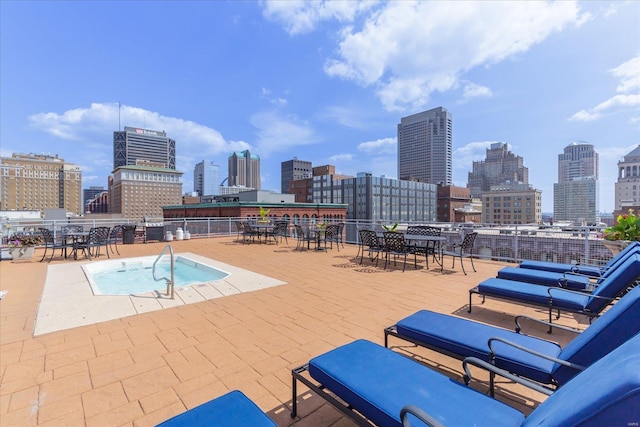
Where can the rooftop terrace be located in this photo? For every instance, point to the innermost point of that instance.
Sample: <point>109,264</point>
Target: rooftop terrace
<point>142,369</point>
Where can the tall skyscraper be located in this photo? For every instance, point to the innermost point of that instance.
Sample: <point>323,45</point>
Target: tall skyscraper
<point>628,185</point>
<point>244,170</point>
<point>500,167</point>
<point>293,170</point>
<point>575,195</point>
<point>135,146</point>
<point>39,182</point>
<point>206,178</point>
<point>425,147</point>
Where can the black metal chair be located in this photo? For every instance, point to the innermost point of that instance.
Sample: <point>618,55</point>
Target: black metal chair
<point>395,245</point>
<point>331,234</point>
<point>240,230</point>
<point>303,236</point>
<point>370,242</point>
<point>281,230</point>
<point>51,243</point>
<point>463,249</point>
<point>115,234</point>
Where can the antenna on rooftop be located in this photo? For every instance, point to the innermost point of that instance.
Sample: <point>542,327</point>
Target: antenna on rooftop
<point>119,127</point>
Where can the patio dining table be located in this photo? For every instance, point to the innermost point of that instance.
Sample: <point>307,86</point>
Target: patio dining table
<point>263,229</point>
<point>77,239</point>
<point>428,242</point>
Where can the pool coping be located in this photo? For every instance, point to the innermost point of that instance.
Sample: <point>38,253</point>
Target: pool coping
<point>68,300</point>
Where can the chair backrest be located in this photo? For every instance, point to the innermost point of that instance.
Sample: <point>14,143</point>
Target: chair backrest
<point>424,230</point>
<point>614,284</point>
<point>116,232</point>
<point>469,239</point>
<point>72,229</point>
<point>47,235</point>
<point>619,259</point>
<point>239,226</point>
<point>607,393</point>
<point>614,327</point>
<point>394,242</point>
<point>633,246</point>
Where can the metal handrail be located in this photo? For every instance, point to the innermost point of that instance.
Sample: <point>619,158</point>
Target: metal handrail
<point>170,282</point>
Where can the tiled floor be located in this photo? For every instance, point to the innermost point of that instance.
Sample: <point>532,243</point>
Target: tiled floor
<point>143,369</point>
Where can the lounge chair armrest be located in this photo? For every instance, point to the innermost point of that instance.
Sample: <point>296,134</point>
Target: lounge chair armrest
<point>549,291</point>
<point>534,352</point>
<point>492,368</point>
<point>544,322</point>
<point>419,414</point>
<point>578,274</point>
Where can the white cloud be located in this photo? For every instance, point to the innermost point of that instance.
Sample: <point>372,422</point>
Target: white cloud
<point>472,90</point>
<point>278,133</point>
<point>345,157</point>
<point>407,50</point>
<point>102,119</point>
<point>379,146</point>
<point>626,98</point>
<point>302,16</point>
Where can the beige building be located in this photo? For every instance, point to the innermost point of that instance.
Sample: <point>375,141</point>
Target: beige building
<point>141,191</point>
<point>512,206</point>
<point>39,182</point>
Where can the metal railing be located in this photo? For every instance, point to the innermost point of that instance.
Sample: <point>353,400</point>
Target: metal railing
<point>498,242</point>
<point>170,282</point>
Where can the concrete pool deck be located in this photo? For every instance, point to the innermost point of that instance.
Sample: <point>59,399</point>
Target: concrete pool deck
<point>142,369</point>
<point>68,300</point>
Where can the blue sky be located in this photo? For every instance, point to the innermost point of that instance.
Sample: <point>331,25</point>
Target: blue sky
<point>322,81</point>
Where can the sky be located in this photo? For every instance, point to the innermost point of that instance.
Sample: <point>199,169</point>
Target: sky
<point>323,81</point>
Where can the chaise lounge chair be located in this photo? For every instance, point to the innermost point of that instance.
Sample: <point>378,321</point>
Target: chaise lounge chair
<point>589,304</point>
<point>587,270</point>
<point>525,356</point>
<point>567,279</point>
<point>233,409</point>
<point>378,384</point>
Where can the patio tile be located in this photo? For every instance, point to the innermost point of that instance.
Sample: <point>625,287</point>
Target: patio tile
<point>142,369</point>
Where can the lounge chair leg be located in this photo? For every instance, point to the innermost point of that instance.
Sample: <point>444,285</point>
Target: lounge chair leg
<point>294,403</point>
<point>470,295</point>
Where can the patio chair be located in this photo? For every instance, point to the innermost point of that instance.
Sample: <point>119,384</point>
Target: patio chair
<point>584,269</point>
<point>51,244</point>
<point>463,249</point>
<point>115,234</point>
<point>589,304</point>
<point>233,409</point>
<point>331,233</point>
<point>239,230</point>
<point>567,279</point>
<point>380,386</point>
<point>303,236</point>
<point>370,242</point>
<point>395,245</point>
<point>431,248</point>
<point>536,359</point>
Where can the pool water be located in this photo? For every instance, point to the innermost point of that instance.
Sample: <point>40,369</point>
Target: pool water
<point>134,275</point>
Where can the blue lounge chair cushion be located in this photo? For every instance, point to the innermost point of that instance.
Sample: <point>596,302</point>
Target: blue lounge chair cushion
<point>605,394</point>
<point>588,270</point>
<point>378,383</point>
<point>233,409</point>
<point>468,338</point>
<point>535,294</point>
<point>546,278</point>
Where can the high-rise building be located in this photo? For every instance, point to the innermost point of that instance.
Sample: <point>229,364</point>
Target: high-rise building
<point>575,195</point>
<point>39,182</point>
<point>244,170</point>
<point>206,178</point>
<point>88,194</point>
<point>500,167</point>
<point>293,170</point>
<point>141,191</point>
<point>628,186</point>
<point>425,147</point>
<point>136,146</point>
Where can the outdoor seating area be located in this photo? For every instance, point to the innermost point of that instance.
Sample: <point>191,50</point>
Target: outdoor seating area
<point>72,240</point>
<point>294,354</point>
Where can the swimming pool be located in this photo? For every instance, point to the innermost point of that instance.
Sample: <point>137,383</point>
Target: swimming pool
<point>134,275</point>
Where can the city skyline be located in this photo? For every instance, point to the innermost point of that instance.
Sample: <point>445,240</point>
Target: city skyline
<point>326,82</point>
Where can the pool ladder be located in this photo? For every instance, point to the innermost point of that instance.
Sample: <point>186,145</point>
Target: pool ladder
<point>170,282</point>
